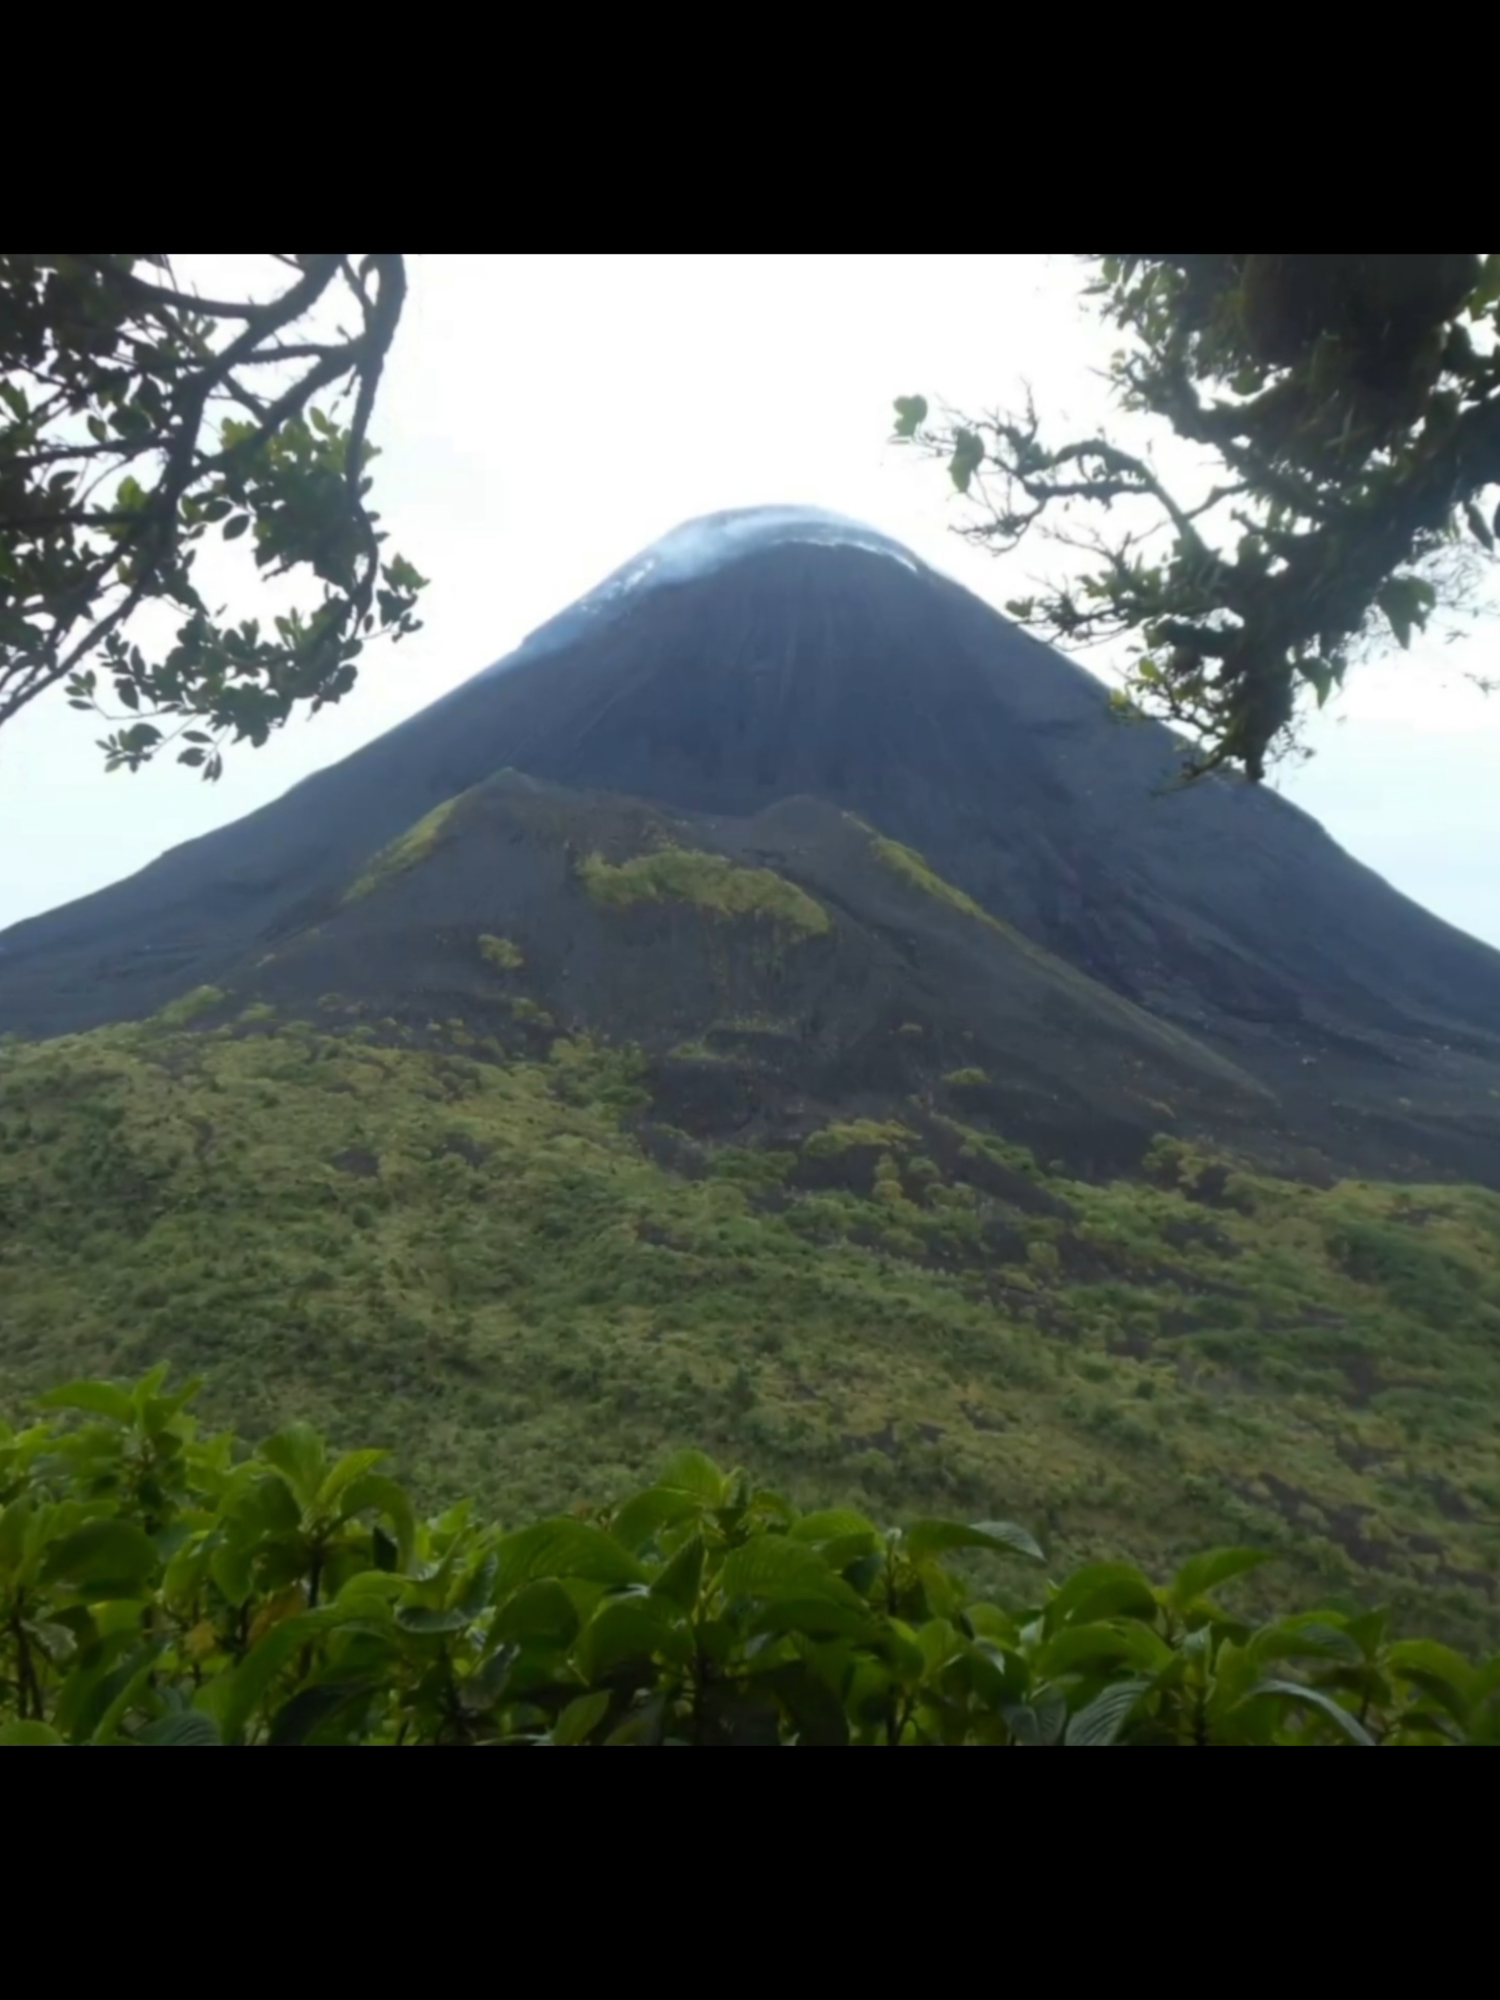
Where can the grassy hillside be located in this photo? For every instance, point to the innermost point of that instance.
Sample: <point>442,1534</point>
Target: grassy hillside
<point>529,1287</point>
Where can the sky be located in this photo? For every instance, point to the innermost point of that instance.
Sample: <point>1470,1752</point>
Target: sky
<point>542,418</point>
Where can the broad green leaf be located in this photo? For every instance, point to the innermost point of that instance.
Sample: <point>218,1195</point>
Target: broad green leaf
<point>678,1580</point>
<point>818,1617</point>
<point>1040,1721</point>
<point>106,1558</point>
<point>15,1521</point>
<point>695,1473</point>
<point>188,1728</point>
<point>230,1566</point>
<point>1101,1590</point>
<point>1306,1637</point>
<point>1081,1647</point>
<point>645,1514</point>
<point>27,1735</point>
<point>1435,1662</point>
<point>774,1566</point>
<point>580,1717</point>
<point>1312,1697</point>
<point>345,1472</point>
<point>541,1612</point>
<point>1203,1573</point>
<point>314,1707</point>
<point>124,1689</point>
<point>831,1524</point>
<point>299,1454</point>
<point>1100,1723</point>
<point>378,1493</point>
<point>269,1657</point>
<point>814,1708</point>
<point>925,1539</point>
<point>629,1628</point>
<point>100,1399</point>
<point>563,1547</point>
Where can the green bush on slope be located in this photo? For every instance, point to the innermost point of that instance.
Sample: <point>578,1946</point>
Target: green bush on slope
<point>158,1587</point>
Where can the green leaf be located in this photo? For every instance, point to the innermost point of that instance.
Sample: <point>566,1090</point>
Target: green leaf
<point>235,526</point>
<point>1406,601</point>
<point>1099,1724</point>
<point>348,1469</point>
<point>1038,1722</point>
<point>102,1559</point>
<point>831,1524</point>
<point>100,1399</point>
<point>678,1580</point>
<point>1101,1590</point>
<point>563,1547</point>
<point>580,1718</point>
<point>1202,1573</point>
<point>1081,1647</point>
<point>911,414</point>
<point>15,1521</point>
<point>188,1728</point>
<point>644,1515</point>
<point>378,1493</point>
<point>925,1539</point>
<point>968,456</point>
<point>266,1659</point>
<point>299,1454</point>
<point>1441,1673</point>
<point>231,1568</point>
<point>774,1566</point>
<point>694,1472</point>
<point>426,1619</point>
<point>28,1735</point>
<point>538,1613</point>
<point>311,1708</point>
<point>122,1691</point>
<point>814,1708</point>
<point>1312,1697</point>
<point>1479,527</point>
<point>1305,1637</point>
<point>629,1628</point>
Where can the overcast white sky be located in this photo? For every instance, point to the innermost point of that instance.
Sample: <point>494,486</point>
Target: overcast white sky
<point>544,417</point>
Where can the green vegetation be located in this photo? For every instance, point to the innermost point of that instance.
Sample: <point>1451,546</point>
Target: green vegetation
<point>412,847</point>
<point>506,1271</point>
<point>708,882</point>
<point>188,1006</point>
<point>132,439</point>
<point>501,953</point>
<point>841,1137</point>
<point>967,1078</point>
<point>162,1588</point>
<point>1340,416</point>
<point>918,873</point>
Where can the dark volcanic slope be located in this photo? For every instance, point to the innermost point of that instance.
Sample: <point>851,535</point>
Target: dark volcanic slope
<point>780,667</point>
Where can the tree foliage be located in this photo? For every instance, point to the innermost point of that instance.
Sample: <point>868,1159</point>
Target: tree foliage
<point>1349,407</point>
<point>137,421</point>
<point>158,1587</point>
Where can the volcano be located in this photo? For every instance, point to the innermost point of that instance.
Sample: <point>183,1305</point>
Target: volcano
<point>780,791</point>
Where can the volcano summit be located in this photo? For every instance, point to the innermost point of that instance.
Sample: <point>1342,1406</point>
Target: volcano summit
<point>778,794</point>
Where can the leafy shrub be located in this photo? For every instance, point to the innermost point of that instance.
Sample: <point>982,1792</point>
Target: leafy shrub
<point>159,1587</point>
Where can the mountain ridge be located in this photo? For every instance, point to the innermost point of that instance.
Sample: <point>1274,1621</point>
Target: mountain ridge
<point>791,661</point>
